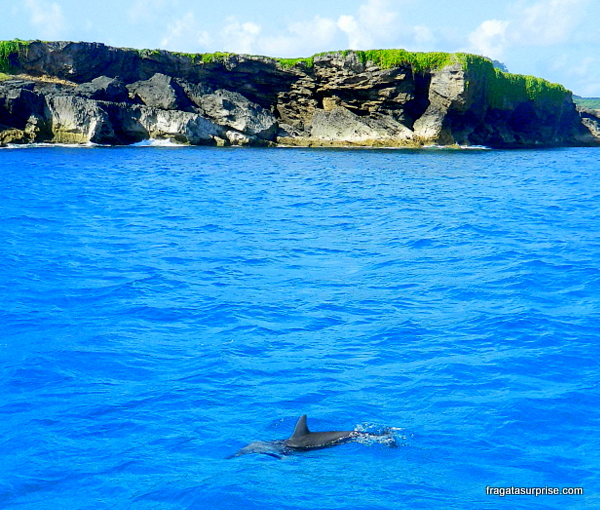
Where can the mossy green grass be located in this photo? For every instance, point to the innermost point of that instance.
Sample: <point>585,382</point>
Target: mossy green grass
<point>7,50</point>
<point>502,89</point>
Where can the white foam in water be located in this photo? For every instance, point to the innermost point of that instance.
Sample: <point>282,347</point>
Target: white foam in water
<point>458,147</point>
<point>68,145</point>
<point>387,436</point>
<point>154,142</point>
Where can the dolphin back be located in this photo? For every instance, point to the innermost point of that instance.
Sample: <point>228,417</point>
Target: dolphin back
<point>304,439</point>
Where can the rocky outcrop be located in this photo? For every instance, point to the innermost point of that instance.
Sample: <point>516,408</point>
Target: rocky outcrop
<point>23,116</point>
<point>160,91</point>
<point>120,96</point>
<point>104,88</point>
<point>138,123</point>
<point>231,109</point>
<point>103,112</point>
<point>340,124</point>
<point>591,120</point>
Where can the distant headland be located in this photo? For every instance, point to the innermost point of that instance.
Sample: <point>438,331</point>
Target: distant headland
<point>75,92</point>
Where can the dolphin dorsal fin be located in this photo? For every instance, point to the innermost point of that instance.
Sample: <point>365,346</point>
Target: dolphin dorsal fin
<point>301,427</point>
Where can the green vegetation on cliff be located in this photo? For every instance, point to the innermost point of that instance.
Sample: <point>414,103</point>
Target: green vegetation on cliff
<point>221,56</point>
<point>8,49</point>
<point>419,61</point>
<point>146,53</point>
<point>195,58</point>
<point>505,89</point>
<point>287,63</point>
<point>218,56</point>
<point>385,59</point>
<point>502,89</point>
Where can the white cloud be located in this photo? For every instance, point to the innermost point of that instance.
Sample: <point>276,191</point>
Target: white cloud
<point>48,17</point>
<point>203,38</point>
<point>358,37</point>
<point>585,68</point>
<point>376,17</point>
<point>185,33</point>
<point>545,23</point>
<point>424,35</point>
<point>583,72</point>
<point>374,24</point>
<point>549,22</point>
<point>143,11</point>
<point>302,38</point>
<point>591,89</point>
<point>490,38</point>
<point>240,37</point>
<point>318,29</point>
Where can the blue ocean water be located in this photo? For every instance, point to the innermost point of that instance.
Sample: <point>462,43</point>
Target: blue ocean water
<point>163,307</point>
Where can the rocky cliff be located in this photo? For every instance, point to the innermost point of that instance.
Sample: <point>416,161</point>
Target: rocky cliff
<point>87,92</point>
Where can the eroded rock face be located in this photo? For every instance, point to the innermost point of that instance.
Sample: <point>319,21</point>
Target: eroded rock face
<point>104,88</point>
<point>178,126</point>
<point>78,120</point>
<point>160,91</point>
<point>591,120</point>
<point>45,112</point>
<point>342,81</point>
<point>22,113</point>
<point>124,96</point>
<point>231,109</point>
<point>447,91</point>
<point>340,124</point>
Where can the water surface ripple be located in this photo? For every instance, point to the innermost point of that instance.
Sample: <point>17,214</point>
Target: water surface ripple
<point>163,307</point>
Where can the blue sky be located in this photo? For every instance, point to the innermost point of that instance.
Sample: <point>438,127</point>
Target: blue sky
<point>556,39</point>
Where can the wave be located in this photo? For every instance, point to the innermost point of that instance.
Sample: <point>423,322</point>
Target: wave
<point>155,142</point>
<point>458,147</point>
<point>151,142</point>
<point>46,144</point>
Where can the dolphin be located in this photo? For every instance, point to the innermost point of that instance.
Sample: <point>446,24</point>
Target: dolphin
<point>302,439</point>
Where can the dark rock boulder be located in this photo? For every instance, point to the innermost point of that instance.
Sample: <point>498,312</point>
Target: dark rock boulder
<point>104,88</point>
<point>591,120</point>
<point>340,125</point>
<point>23,112</point>
<point>194,91</point>
<point>137,122</point>
<point>232,110</point>
<point>260,79</point>
<point>160,91</point>
<point>79,120</point>
<point>447,92</point>
<point>343,80</point>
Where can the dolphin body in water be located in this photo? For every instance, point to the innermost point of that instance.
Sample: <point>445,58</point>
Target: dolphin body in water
<point>303,440</point>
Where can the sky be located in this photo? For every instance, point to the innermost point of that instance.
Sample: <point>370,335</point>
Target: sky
<point>558,40</point>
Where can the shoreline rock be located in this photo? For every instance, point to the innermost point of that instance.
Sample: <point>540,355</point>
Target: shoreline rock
<point>88,92</point>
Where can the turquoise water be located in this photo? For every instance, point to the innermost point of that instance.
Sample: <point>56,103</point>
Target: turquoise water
<point>164,307</point>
